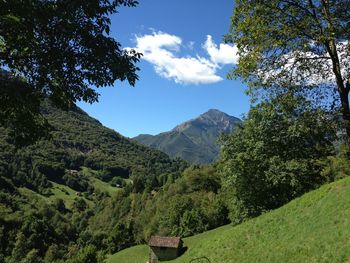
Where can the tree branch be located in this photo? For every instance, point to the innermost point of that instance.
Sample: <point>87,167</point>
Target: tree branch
<point>315,58</point>
<point>297,5</point>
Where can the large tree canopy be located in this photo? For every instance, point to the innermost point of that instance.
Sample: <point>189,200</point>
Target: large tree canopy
<point>60,49</point>
<point>293,43</point>
<point>276,155</point>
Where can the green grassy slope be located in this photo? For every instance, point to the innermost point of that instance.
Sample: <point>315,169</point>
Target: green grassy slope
<point>312,228</point>
<point>58,191</point>
<point>67,194</point>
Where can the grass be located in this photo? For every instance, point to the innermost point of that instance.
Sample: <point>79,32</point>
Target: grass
<point>67,194</point>
<point>134,254</point>
<point>103,186</point>
<point>59,191</point>
<point>312,228</point>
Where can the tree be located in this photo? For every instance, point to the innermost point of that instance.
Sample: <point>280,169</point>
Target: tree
<point>57,49</point>
<point>275,156</point>
<point>87,254</point>
<point>298,44</point>
<point>19,110</point>
<point>79,204</point>
<point>120,237</point>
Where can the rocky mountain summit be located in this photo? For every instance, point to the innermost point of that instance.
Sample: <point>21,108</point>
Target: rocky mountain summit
<point>194,140</point>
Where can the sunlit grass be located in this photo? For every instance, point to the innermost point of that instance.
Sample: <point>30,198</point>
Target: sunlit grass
<point>103,186</point>
<point>312,228</point>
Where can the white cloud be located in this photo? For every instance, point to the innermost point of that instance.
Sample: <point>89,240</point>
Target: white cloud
<point>225,54</point>
<point>159,40</point>
<point>162,50</point>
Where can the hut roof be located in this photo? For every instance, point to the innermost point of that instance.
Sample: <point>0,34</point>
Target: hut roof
<point>158,241</point>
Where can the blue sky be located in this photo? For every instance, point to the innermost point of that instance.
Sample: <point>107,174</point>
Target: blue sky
<point>183,71</point>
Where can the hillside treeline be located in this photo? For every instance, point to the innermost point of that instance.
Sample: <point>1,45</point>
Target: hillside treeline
<point>87,191</point>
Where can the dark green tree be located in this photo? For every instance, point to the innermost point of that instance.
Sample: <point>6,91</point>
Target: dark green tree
<point>79,204</point>
<point>275,156</point>
<point>295,44</point>
<point>57,49</point>
<point>120,237</point>
<point>19,110</point>
<point>87,254</point>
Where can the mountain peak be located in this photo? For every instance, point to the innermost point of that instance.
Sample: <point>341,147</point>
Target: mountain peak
<point>214,111</point>
<point>214,114</point>
<point>194,140</point>
<point>212,117</point>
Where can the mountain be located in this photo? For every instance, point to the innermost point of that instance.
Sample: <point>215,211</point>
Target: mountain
<point>194,140</point>
<point>81,141</point>
<point>50,190</point>
<point>312,228</point>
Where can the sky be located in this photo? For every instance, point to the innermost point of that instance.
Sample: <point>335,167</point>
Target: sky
<point>182,71</point>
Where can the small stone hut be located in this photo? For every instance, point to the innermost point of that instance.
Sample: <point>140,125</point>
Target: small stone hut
<point>164,248</point>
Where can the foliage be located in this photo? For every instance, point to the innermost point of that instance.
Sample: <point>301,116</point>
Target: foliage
<point>179,208</point>
<point>49,200</point>
<point>312,228</point>
<point>19,109</point>
<point>59,203</point>
<point>59,49</point>
<point>120,237</point>
<point>275,156</point>
<point>295,44</point>
<point>34,234</point>
<point>337,167</point>
<point>75,233</point>
<point>79,205</point>
<point>86,255</point>
<point>77,141</point>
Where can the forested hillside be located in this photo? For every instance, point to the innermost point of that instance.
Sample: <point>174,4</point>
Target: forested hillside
<point>78,140</point>
<point>87,191</point>
<point>49,190</point>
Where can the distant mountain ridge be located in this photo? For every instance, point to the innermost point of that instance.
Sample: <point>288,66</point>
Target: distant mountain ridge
<point>194,140</point>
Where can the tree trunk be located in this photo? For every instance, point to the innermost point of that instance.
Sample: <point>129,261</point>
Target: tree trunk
<point>343,89</point>
<point>344,98</point>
